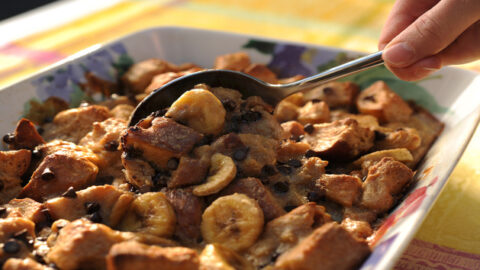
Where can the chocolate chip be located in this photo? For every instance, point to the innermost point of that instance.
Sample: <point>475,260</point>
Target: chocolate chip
<point>39,258</point>
<point>284,169</point>
<point>316,100</point>
<point>313,196</point>
<point>289,208</point>
<point>9,138</point>
<point>275,256</point>
<point>36,153</point>
<point>134,129</point>
<point>370,98</point>
<point>310,153</point>
<point>11,246</point>
<point>3,210</point>
<point>95,217</point>
<point>40,130</point>
<point>328,91</point>
<point>2,185</point>
<point>160,180</point>
<point>47,215</point>
<point>92,207</point>
<point>295,163</point>
<point>229,105</point>
<point>111,146</point>
<point>47,174</point>
<point>251,116</point>
<point>308,128</point>
<point>70,193</point>
<point>269,170</point>
<point>24,237</point>
<point>241,153</point>
<point>48,119</point>
<point>379,136</point>
<point>172,164</point>
<point>281,187</point>
<point>207,139</point>
<point>131,152</point>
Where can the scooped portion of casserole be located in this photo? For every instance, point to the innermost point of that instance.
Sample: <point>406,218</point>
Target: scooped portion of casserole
<point>215,181</point>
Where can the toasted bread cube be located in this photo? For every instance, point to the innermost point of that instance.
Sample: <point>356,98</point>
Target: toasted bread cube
<point>335,94</point>
<point>58,172</point>
<point>160,140</point>
<point>253,188</point>
<point>24,264</point>
<point>71,125</point>
<point>382,102</point>
<point>314,113</point>
<point>112,203</point>
<point>234,61</point>
<point>13,164</point>
<point>261,72</point>
<point>285,232</point>
<point>340,139</point>
<point>26,208</point>
<point>340,188</point>
<point>189,209</point>
<point>328,247</point>
<point>26,135</point>
<point>134,255</point>
<point>83,245</point>
<point>385,179</point>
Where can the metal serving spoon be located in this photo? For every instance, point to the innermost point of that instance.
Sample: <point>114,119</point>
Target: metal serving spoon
<point>247,85</point>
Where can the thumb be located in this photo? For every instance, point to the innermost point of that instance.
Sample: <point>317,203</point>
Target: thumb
<point>432,32</point>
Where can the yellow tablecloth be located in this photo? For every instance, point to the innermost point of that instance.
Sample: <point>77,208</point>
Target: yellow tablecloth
<point>449,237</point>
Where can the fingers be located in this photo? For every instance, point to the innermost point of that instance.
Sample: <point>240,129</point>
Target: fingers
<point>432,32</point>
<point>464,49</point>
<point>404,13</point>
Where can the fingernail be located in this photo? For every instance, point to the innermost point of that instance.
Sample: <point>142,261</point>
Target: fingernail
<point>399,55</point>
<point>381,46</point>
<point>431,63</point>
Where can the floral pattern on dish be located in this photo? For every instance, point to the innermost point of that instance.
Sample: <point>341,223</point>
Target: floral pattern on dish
<point>70,83</point>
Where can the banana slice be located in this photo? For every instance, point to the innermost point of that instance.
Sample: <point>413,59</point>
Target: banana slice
<point>234,221</point>
<point>218,257</point>
<point>150,213</point>
<point>222,171</point>
<point>200,110</point>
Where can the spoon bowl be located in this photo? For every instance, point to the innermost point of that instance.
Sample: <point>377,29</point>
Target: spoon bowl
<point>247,85</point>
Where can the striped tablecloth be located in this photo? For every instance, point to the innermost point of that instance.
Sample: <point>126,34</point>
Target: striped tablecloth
<point>449,237</point>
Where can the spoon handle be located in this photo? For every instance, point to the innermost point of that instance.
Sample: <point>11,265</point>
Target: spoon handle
<point>359,64</point>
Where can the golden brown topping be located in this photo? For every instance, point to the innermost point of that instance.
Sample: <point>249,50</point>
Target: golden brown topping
<point>385,179</point>
<point>26,136</point>
<point>216,256</point>
<point>335,94</point>
<point>340,188</point>
<point>13,164</point>
<point>261,72</point>
<point>340,139</point>
<point>235,61</point>
<point>107,202</point>
<point>133,255</point>
<point>380,101</point>
<point>71,125</point>
<point>160,141</point>
<point>82,244</point>
<point>328,247</point>
<point>58,172</point>
<point>314,113</point>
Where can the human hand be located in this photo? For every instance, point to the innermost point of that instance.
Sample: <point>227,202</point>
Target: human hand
<point>421,36</point>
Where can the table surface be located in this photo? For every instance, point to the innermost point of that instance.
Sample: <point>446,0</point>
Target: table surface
<point>449,236</point>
